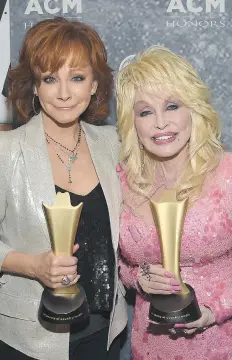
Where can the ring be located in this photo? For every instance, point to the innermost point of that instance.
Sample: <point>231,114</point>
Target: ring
<point>145,270</point>
<point>65,280</point>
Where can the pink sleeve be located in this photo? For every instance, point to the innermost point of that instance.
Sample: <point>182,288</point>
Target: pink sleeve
<point>219,292</point>
<point>222,311</point>
<point>219,287</point>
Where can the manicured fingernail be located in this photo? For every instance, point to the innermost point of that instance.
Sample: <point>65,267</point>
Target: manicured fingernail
<point>78,277</point>
<point>179,325</point>
<point>174,282</point>
<point>176,287</point>
<point>168,274</point>
<point>174,291</point>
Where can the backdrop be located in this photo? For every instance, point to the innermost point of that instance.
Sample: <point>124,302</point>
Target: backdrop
<point>201,30</point>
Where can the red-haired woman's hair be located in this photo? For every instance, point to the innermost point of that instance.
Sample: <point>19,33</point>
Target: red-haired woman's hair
<point>46,48</point>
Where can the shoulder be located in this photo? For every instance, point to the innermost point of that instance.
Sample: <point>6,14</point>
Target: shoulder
<point>109,131</point>
<point>224,170</point>
<point>10,139</point>
<point>10,150</point>
<point>110,134</point>
<point>106,133</point>
<point>221,178</point>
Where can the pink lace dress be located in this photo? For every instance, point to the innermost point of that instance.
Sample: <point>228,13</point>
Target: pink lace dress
<point>206,263</point>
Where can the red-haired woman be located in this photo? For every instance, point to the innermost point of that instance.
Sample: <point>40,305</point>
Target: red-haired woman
<point>60,86</point>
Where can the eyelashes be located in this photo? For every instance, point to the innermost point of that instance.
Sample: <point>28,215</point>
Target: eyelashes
<point>53,79</point>
<point>169,107</point>
<point>145,113</point>
<point>78,78</point>
<point>49,80</point>
<point>172,107</point>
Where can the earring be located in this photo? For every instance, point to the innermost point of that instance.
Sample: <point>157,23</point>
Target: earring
<point>98,101</point>
<point>33,105</point>
<point>141,156</point>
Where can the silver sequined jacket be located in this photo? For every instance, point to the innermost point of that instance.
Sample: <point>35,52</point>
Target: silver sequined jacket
<point>25,182</point>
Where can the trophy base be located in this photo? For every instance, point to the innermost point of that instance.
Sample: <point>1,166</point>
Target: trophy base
<point>174,308</point>
<point>64,309</point>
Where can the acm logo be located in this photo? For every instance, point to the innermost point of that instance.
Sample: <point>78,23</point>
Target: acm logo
<point>5,115</point>
<point>190,6</point>
<point>48,6</point>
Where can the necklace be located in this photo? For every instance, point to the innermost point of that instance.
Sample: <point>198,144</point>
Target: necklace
<point>72,154</point>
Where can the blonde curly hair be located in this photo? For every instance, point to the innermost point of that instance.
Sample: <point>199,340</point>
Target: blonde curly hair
<point>158,68</point>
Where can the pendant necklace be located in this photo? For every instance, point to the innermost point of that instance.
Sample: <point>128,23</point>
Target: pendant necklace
<point>72,154</point>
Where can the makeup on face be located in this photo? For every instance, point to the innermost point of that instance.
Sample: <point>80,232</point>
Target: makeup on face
<point>65,94</point>
<point>162,122</point>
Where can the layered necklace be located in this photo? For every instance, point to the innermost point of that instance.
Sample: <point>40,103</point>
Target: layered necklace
<point>72,154</point>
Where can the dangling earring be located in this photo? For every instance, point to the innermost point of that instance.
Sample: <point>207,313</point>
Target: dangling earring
<point>141,156</point>
<point>33,105</point>
<point>96,105</point>
<point>98,101</point>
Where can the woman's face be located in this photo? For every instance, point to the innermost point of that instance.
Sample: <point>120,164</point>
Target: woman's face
<point>162,122</point>
<point>66,94</point>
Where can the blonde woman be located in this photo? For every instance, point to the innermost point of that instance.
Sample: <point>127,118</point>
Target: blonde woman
<point>170,137</point>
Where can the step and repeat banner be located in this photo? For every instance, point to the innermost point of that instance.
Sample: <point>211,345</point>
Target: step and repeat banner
<point>201,30</point>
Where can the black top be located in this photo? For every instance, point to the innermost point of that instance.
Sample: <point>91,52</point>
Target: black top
<point>96,263</point>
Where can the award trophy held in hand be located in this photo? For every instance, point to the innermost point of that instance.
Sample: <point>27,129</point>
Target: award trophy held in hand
<point>66,305</point>
<point>169,217</point>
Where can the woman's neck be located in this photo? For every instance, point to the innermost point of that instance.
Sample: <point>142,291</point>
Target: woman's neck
<point>66,134</point>
<point>172,168</point>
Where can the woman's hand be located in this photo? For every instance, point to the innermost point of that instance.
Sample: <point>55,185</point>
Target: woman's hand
<point>51,269</point>
<point>206,320</point>
<point>154,279</point>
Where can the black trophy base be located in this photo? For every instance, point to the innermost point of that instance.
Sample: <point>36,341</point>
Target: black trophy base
<point>64,309</point>
<point>174,309</point>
